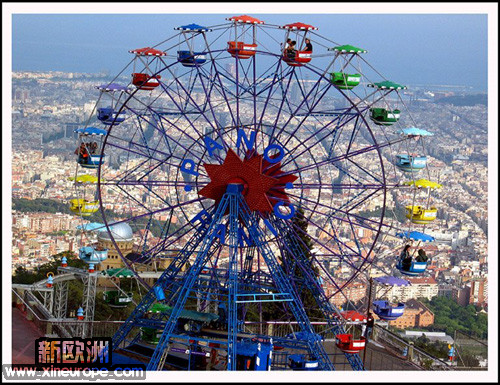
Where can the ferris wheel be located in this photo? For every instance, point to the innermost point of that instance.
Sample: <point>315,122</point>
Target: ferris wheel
<point>242,151</point>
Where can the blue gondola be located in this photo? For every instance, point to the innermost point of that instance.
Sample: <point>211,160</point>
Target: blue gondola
<point>253,355</point>
<point>89,150</point>
<point>92,161</point>
<point>415,236</point>
<point>90,255</point>
<point>414,131</point>
<point>384,310</point>
<point>191,59</point>
<point>410,163</point>
<point>108,116</point>
<point>299,362</point>
<point>416,268</point>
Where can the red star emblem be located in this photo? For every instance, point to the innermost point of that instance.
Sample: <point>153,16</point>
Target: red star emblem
<point>263,182</point>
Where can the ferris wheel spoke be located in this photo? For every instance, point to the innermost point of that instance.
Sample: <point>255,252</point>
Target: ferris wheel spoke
<point>276,79</point>
<point>207,95</point>
<point>257,81</point>
<point>201,112</point>
<point>147,157</point>
<point>333,214</point>
<point>136,202</point>
<point>346,156</point>
<point>283,99</point>
<point>153,183</point>
<point>136,152</point>
<point>299,233</point>
<point>162,116</point>
<point>319,186</point>
<point>343,117</point>
<point>313,88</point>
<point>318,139</point>
<point>221,85</point>
<point>299,125</point>
<point>180,233</point>
<point>301,86</point>
<point>143,138</point>
<point>364,170</point>
<point>138,168</point>
<point>160,210</point>
<point>193,126</point>
<point>342,258</point>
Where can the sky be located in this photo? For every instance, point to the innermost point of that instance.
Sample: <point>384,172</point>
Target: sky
<point>444,49</point>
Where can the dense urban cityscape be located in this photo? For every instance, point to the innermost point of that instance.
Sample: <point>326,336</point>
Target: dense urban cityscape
<point>279,189</point>
<point>47,107</point>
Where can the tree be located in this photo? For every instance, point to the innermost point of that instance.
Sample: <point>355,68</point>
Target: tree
<point>449,317</point>
<point>75,288</point>
<point>22,275</point>
<point>469,361</point>
<point>298,229</point>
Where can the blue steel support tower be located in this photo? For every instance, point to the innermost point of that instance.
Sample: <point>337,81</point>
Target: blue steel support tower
<point>234,207</point>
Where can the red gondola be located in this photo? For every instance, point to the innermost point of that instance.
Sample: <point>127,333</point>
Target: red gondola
<point>299,27</point>
<point>299,59</point>
<point>241,50</point>
<point>147,51</point>
<point>348,344</point>
<point>145,81</point>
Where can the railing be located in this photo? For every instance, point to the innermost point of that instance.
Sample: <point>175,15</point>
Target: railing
<point>406,350</point>
<point>284,328</point>
<point>60,327</point>
<point>394,353</point>
<point>471,353</point>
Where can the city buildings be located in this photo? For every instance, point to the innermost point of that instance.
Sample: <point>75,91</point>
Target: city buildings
<point>416,314</point>
<point>47,107</point>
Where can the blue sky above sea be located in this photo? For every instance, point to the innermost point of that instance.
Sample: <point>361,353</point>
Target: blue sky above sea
<point>418,49</point>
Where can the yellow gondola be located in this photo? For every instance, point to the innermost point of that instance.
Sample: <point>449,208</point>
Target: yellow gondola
<point>419,215</point>
<point>423,183</point>
<point>83,207</point>
<point>85,178</point>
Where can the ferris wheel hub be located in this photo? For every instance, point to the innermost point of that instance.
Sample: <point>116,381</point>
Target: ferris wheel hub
<point>262,182</point>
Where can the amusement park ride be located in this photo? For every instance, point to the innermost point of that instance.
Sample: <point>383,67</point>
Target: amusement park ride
<point>214,151</point>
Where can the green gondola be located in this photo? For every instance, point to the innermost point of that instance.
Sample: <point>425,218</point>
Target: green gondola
<point>384,117</point>
<point>151,335</point>
<point>345,81</point>
<point>115,298</point>
<point>388,85</point>
<point>348,49</point>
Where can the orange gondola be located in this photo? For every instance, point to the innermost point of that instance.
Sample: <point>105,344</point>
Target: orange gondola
<point>240,49</point>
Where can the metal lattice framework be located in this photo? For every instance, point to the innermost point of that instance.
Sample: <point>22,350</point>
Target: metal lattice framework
<point>198,117</point>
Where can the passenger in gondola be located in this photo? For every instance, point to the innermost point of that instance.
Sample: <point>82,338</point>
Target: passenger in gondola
<point>93,148</point>
<point>287,44</point>
<point>422,256</point>
<point>406,258</point>
<point>368,328</point>
<point>309,46</point>
<point>290,52</point>
<point>82,151</point>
